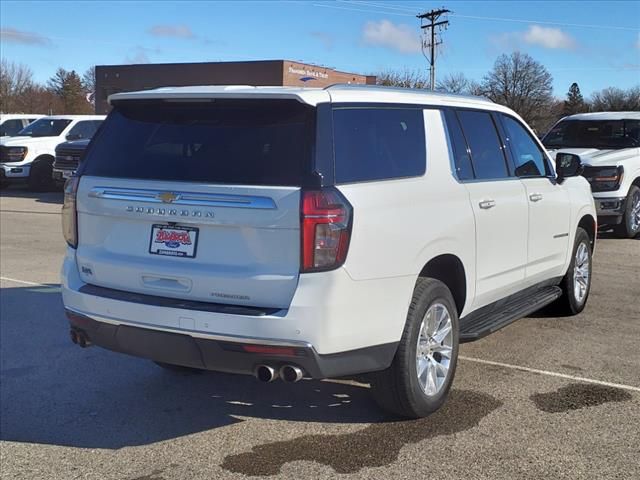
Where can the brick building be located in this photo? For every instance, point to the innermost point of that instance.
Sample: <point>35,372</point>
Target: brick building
<point>123,78</point>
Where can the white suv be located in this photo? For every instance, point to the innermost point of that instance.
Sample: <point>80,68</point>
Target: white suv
<point>292,233</point>
<point>608,143</point>
<point>29,155</point>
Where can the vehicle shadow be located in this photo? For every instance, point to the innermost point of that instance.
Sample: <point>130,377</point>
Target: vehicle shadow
<point>54,392</point>
<point>54,196</point>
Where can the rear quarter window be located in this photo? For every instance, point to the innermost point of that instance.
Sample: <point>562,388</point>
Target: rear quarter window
<point>378,143</point>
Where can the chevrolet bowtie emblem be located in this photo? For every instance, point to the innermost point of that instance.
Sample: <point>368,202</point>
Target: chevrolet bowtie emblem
<point>168,197</point>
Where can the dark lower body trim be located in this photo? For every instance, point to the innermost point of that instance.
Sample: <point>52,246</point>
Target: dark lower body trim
<point>230,357</point>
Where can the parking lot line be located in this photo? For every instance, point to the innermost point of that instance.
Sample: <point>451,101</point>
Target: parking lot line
<point>550,374</point>
<point>25,282</point>
<point>461,357</point>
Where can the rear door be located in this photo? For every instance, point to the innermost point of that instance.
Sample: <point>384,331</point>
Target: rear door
<point>499,206</point>
<point>197,201</point>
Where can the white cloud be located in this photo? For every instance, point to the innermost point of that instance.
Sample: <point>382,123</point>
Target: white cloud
<point>172,31</point>
<point>13,35</point>
<point>400,37</point>
<point>548,37</point>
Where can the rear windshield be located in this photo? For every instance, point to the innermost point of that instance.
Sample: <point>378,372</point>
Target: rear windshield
<point>601,134</point>
<point>224,141</point>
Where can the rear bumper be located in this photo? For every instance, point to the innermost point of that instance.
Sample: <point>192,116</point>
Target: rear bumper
<point>337,326</point>
<point>228,354</point>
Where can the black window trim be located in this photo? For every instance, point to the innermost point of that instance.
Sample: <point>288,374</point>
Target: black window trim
<point>492,113</point>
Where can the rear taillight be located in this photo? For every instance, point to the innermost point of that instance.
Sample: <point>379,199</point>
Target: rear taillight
<point>69,214</point>
<point>325,226</point>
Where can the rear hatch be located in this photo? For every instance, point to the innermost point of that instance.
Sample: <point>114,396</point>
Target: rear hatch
<point>197,200</point>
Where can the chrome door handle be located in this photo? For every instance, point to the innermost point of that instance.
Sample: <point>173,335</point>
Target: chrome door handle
<point>487,204</point>
<point>535,197</point>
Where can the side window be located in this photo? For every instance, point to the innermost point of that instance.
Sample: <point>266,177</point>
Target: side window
<point>378,143</point>
<point>482,137</point>
<point>11,127</point>
<point>461,157</point>
<point>528,158</point>
<point>84,129</point>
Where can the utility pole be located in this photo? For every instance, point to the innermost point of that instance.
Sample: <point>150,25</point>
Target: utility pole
<point>429,21</point>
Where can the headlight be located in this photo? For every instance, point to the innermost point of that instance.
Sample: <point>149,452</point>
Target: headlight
<point>14,154</point>
<point>604,179</point>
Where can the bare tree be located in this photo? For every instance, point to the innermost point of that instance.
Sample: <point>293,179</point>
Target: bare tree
<point>38,99</point>
<point>522,84</point>
<point>15,80</point>
<point>89,80</point>
<point>458,83</point>
<point>615,99</point>
<point>403,78</point>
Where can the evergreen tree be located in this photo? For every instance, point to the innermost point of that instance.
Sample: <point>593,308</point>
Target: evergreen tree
<point>574,102</point>
<point>68,87</point>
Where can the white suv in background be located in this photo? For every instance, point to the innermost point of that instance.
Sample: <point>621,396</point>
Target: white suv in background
<point>29,155</point>
<point>292,233</point>
<point>11,124</point>
<point>608,144</point>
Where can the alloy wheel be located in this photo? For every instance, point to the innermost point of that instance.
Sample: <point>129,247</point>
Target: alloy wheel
<point>581,273</point>
<point>434,349</point>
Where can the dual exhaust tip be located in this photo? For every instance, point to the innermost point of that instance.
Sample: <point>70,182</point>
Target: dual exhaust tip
<point>288,373</point>
<point>79,338</point>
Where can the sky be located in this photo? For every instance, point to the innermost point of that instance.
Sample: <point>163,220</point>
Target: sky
<point>596,44</point>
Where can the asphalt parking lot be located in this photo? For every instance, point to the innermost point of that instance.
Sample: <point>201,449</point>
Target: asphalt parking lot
<point>534,400</point>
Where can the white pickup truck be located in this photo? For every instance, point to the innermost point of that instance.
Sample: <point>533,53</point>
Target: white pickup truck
<point>608,144</point>
<point>11,124</point>
<point>30,155</point>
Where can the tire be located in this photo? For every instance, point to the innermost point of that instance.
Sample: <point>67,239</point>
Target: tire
<point>178,368</point>
<point>572,302</point>
<point>630,225</point>
<point>40,176</point>
<point>398,389</point>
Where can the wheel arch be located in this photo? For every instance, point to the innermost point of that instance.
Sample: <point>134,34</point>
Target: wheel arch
<point>449,269</point>
<point>589,224</point>
<point>43,157</point>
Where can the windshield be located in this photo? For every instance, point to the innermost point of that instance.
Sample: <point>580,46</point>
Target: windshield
<point>226,141</point>
<point>601,134</point>
<point>45,127</point>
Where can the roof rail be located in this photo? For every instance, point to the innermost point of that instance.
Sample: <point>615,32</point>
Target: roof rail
<point>355,86</point>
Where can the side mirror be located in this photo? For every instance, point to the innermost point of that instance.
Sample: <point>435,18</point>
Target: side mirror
<point>568,165</point>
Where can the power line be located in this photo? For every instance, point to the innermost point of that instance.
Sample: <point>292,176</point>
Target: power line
<point>398,10</point>
<point>431,24</point>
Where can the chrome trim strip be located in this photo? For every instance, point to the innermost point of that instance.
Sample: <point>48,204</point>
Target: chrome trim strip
<point>561,235</point>
<point>184,198</point>
<point>197,333</point>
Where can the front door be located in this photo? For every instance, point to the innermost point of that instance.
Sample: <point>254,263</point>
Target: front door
<point>548,204</point>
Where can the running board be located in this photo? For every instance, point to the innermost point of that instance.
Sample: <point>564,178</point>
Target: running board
<point>486,321</point>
